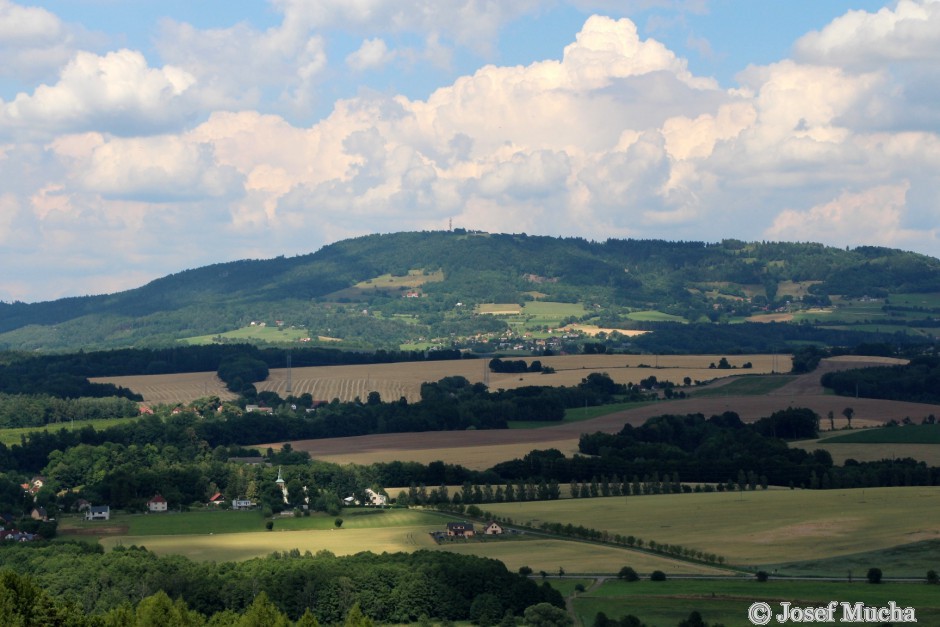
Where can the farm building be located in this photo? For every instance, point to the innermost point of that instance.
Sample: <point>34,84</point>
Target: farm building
<point>460,529</point>
<point>98,512</point>
<point>492,529</point>
<point>157,504</point>
<point>375,498</point>
<point>241,503</point>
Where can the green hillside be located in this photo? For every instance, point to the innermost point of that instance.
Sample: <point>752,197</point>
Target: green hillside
<point>384,291</point>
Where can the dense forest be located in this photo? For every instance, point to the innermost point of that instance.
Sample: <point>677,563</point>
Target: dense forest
<point>388,588</point>
<point>317,291</point>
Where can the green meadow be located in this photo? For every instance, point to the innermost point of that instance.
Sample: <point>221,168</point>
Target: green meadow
<point>726,601</point>
<point>269,333</point>
<point>14,436</point>
<point>752,529</point>
<point>744,386</point>
<point>654,316</point>
<point>578,414</point>
<point>908,434</point>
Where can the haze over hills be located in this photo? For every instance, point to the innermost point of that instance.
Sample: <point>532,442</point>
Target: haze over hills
<point>383,291</point>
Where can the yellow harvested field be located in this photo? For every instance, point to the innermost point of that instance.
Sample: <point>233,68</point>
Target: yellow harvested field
<point>172,388</point>
<point>393,381</point>
<point>242,546</point>
<point>592,330</point>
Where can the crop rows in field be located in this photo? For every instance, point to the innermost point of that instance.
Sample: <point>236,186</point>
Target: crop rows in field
<point>172,388</point>
<point>393,381</point>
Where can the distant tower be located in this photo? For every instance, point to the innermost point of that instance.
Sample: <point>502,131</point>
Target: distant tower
<point>450,224</point>
<point>281,484</point>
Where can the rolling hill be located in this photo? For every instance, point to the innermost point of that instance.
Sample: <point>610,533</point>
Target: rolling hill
<point>383,291</point>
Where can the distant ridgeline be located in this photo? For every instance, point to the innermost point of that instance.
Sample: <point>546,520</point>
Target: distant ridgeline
<point>382,291</point>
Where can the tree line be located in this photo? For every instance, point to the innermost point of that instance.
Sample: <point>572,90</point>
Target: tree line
<point>388,588</point>
<point>917,381</point>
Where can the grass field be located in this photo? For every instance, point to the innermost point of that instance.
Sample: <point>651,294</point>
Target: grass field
<point>756,528</point>
<point>927,301</point>
<point>654,316</point>
<point>227,535</point>
<point>576,557</point>
<point>268,333</point>
<point>905,560</point>
<point>727,601</point>
<point>13,436</point>
<point>577,414</point>
<point>909,434</point>
<point>745,386</point>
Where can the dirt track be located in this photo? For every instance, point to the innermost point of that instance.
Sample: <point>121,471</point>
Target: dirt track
<point>481,449</point>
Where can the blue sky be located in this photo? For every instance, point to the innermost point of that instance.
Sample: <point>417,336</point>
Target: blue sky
<point>142,138</point>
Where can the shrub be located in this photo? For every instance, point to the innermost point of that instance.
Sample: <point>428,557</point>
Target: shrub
<point>874,575</point>
<point>657,575</point>
<point>628,574</point>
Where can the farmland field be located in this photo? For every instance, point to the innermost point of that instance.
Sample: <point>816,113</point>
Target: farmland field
<point>755,528</point>
<point>273,334</point>
<point>397,380</point>
<point>227,535</point>
<point>14,435</point>
<point>910,434</point>
<point>726,601</point>
<point>482,449</point>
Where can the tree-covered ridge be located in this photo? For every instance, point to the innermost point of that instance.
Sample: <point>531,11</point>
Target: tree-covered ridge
<point>477,268</point>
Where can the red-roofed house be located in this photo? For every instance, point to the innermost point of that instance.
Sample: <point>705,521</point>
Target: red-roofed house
<point>157,504</point>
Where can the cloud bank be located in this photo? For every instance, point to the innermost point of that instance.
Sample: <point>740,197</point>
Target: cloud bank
<point>122,169</point>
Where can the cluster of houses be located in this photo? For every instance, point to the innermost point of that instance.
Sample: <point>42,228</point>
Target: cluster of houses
<point>464,529</point>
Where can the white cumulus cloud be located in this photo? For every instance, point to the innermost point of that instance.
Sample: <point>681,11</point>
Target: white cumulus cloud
<point>117,92</point>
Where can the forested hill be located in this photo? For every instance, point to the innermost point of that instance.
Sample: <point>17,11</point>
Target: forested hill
<point>459,269</point>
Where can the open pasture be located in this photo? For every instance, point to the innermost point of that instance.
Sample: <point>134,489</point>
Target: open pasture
<point>228,536</point>
<point>930,300</point>
<point>550,555</point>
<point>755,528</point>
<point>14,435</point>
<point>726,601</point>
<point>908,434</point>
<point>268,333</point>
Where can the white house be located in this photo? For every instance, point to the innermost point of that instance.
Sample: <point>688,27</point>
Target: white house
<point>375,498</point>
<point>157,504</point>
<point>241,503</point>
<point>98,512</point>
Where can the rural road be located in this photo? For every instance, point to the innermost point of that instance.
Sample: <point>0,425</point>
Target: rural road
<point>478,449</point>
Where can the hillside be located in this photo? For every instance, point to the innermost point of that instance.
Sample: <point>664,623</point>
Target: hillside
<point>384,291</point>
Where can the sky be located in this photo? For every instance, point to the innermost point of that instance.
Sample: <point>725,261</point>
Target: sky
<point>142,138</point>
